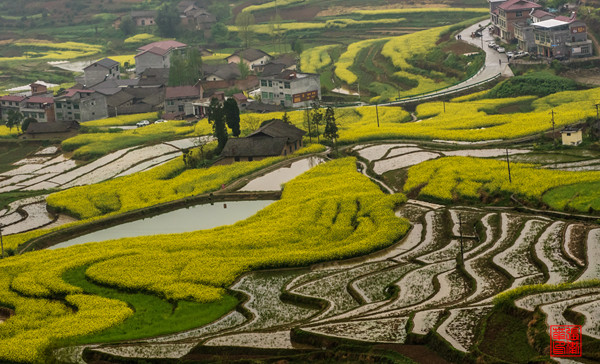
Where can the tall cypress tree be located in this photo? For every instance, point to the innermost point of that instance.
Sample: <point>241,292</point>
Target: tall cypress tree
<point>232,116</point>
<point>216,117</point>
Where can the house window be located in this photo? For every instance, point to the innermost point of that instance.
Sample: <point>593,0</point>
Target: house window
<point>568,134</point>
<point>76,106</point>
<point>265,95</point>
<point>237,159</point>
<point>286,85</point>
<point>59,115</point>
<point>263,83</point>
<point>77,116</point>
<point>270,95</point>
<point>288,97</point>
<point>250,159</point>
<point>59,105</point>
<point>270,83</point>
<point>519,14</point>
<point>180,108</point>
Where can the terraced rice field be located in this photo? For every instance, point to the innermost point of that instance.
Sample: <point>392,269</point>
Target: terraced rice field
<point>416,286</point>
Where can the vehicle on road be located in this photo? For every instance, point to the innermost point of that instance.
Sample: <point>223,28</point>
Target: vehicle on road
<point>139,124</point>
<point>501,49</point>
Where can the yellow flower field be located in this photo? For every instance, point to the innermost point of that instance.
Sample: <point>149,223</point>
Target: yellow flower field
<point>346,60</point>
<point>313,59</point>
<point>122,119</point>
<point>421,10</point>
<point>45,50</point>
<point>143,38</point>
<point>451,177</point>
<point>197,265</point>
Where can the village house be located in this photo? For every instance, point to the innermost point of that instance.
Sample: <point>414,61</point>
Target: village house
<point>8,103</point>
<point>274,138</point>
<point>290,88</point>
<point>507,14</point>
<point>102,70</point>
<point>198,18</point>
<point>80,105</point>
<point>255,59</point>
<point>39,108</point>
<point>572,135</point>
<point>221,72</point>
<point>156,55</point>
<point>562,37</point>
<point>178,100</point>
<point>143,18</point>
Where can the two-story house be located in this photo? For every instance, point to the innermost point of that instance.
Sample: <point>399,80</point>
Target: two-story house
<point>8,103</point>
<point>80,105</point>
<point>178,100</point>
<point>102,70</point>
<point>290,88</point>
<point>39,108</point>
<point>524,30</point>
<point>156,55</point>
<point>143,18</point>
<point>511,12</point>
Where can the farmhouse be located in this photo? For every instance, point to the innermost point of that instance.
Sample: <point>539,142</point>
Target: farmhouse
<point>100,71</point>
<point>10,102</point>
<point>178,100</point>
<point>80,105</point>
<point>572,135</point>
<point>562,37</point>
<point>156,55</point>
<point>39,108</point>
<point>290,88</point>
<point>274,138</point>
<point>144,17</point>
<point>506,14</point>
<point>255,59</point>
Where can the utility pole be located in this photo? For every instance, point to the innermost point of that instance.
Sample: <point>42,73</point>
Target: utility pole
<point>508,164</point>
<point>553,133</point>
<point>1,243</point>
<point>444,103</point>
<point>462,256</point>
<point>377,112</point>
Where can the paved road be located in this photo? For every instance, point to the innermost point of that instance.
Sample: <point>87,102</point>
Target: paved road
<point>495,64</point>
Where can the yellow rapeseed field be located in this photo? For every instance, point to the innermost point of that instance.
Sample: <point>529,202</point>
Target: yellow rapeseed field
<point>330,212</point>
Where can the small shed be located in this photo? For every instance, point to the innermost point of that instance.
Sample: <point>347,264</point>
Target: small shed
<point>572,135</point>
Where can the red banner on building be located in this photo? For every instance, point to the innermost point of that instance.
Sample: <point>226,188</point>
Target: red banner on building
<point>305,96</point>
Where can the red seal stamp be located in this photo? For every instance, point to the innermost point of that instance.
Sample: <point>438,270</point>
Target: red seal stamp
<point>565,341</point>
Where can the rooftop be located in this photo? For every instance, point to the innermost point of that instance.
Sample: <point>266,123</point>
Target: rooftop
<point>164,44</point>
<point>106,63</point>
<point>182,91</point>
<point>12,98</point>
<point>515,5</point>
<point>262,146</point>
<point>551,23</point>
<point>250,54</point>
<point>40,100</point>
<point>276,128</point>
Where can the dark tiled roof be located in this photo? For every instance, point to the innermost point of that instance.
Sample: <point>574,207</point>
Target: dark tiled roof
<point>179,92</point>
<point>250,54</point>
<point>228,71</point>
<point>539,13</point>
<point>106,63</point>
<point>119,98</point>
<point>56,127</point>
<point>272,69</point>
<point>287,60</point>
<point>278,129</point>
<point>261,146</point>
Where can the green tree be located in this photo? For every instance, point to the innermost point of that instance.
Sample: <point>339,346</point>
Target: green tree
<point>14,119</point>
<point>232,116</point>
<point>244,70</point>
<point>244,22</point>
<point>167,20</point>
<point>286,118</point>
<point>221,10</point>
<point>331,129</point>
<point>216,117</point>
<point>193,65</point>
<point>127,26</point>
<point>219,33</point>
<point>297,46</point>
<point>177,76</point>
<point>27,122</point>
<point>316,117</point>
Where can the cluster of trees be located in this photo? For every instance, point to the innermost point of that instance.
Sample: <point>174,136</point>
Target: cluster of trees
<point>185,69</point>
<point>16,119</point>
<point>221,116</point>
<point>314,118</point>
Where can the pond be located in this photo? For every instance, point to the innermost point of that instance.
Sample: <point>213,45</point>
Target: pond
<point>272,181</point>
<point>183,220</point>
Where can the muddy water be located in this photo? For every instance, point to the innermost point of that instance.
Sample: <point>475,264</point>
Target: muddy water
<point>188,219</point>
<point>272,181</point>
